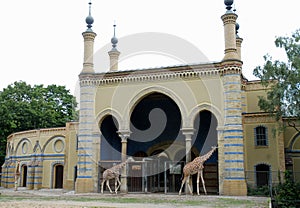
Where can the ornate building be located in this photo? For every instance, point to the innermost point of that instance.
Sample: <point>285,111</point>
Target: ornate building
<point>190,107</point>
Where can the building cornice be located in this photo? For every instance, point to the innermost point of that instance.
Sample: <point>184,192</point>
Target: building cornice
<point>38,132</point>
<point>157,74</point>
<point>258,117</point>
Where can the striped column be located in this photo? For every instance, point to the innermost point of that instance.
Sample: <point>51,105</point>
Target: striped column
<point>86,165</point>
<point>38,173</point>
<point>233,149</point>
<point>9,175</point>
<point>30,175</point>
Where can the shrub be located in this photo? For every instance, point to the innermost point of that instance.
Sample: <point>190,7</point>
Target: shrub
<point>287,194</point>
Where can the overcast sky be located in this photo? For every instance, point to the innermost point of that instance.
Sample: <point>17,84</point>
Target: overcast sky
<point>41,41</point>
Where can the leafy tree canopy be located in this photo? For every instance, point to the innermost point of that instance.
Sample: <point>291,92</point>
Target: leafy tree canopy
<point>25,107</point>
<point>283,78</point>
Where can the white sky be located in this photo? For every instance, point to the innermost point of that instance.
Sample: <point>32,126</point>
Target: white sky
<point>41,41</point>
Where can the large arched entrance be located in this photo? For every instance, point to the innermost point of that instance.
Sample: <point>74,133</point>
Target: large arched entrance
<point>155,119</point>
<point>110,147</point>
<point>155,124</point>
<point>205,136</point>
<point>110,142</point>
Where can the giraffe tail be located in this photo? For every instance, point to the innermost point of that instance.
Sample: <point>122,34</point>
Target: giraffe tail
<point>182,176</point>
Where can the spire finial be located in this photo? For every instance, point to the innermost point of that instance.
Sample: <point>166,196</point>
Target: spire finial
<point>237,27</point>
<point>89,19</point>
<point>228,4</point>
<point>115,28</point>
<point>114,39</point>
<point>90,7</point>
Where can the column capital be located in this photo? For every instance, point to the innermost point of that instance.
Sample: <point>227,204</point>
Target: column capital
<point>124,134</point>
<point>187,131</point>
<point>229,18</point>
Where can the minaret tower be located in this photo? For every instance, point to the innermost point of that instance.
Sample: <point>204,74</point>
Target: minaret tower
<point>239,41</point>
<point>231,144</point>
<point>88,133</point>
<point>114,53</point>
<point>89,37</point>
<point>229,20</point>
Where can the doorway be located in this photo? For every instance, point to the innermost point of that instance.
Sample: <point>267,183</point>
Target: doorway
<point>58,173</point>
<point>24,176</point>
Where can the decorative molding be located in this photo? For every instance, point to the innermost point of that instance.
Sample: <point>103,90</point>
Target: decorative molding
<point>185,72</point>
<point>37,132</point>
<point>258,118</point>
<point>153,74</point>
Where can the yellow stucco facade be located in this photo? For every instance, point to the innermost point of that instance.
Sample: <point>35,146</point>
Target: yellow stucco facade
<point>192,107</point>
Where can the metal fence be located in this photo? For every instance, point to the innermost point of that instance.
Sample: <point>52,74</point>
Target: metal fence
<point>150,176</point>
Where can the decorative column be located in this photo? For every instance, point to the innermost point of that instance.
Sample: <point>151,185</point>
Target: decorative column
<point>188,133</point>
<point>234,182</point>
<point>124,136</point>
<point>221,158</point>
<point>38,174</point>
<point>30,176</point>
<point>4,174</point>
<point>10,183</point>
<point>86,165</point>
<point>96,158</point>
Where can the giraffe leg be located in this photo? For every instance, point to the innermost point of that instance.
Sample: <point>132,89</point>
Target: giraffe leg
<point>102,184</point>
<point>107,184</point>
<point>119,184</point>
<point>182,183</point>
<point>198,177</point>
<point>116,185</point>
<point>188,184</point>
<point>201,174</point>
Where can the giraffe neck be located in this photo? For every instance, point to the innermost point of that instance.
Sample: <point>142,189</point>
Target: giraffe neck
<point>121,165</point>
<point>207,155</point>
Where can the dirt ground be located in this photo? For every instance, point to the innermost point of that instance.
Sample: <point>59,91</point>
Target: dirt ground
<point>52,198</point>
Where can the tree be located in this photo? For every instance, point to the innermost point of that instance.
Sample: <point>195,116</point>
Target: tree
<point>283,80</point>
<point>23,107</point>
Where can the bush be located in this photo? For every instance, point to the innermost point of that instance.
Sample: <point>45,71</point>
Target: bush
<point>259,191</point>
<point>287,194</point>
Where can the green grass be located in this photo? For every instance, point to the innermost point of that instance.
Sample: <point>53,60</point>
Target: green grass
<point>144,199</point>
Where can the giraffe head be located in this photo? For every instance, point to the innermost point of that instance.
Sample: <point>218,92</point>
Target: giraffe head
<point>214,147</point>
<point>130,159</point>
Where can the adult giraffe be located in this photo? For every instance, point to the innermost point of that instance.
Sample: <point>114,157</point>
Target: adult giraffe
<point>114,173</point>
<point>196,166</point>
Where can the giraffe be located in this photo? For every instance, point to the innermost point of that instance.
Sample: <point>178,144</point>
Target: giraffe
<point>114,173</point>
<point>196,166</point>
<point>17,174</point>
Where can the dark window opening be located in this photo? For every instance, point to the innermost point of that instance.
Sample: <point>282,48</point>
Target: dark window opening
<point>261,136</point>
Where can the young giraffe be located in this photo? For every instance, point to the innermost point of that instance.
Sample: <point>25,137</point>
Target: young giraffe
<point>196,166</point>
<point>114,173</point>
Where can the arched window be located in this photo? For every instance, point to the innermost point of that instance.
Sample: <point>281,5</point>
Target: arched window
<point>261,136</point>
<point>262,175</point>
